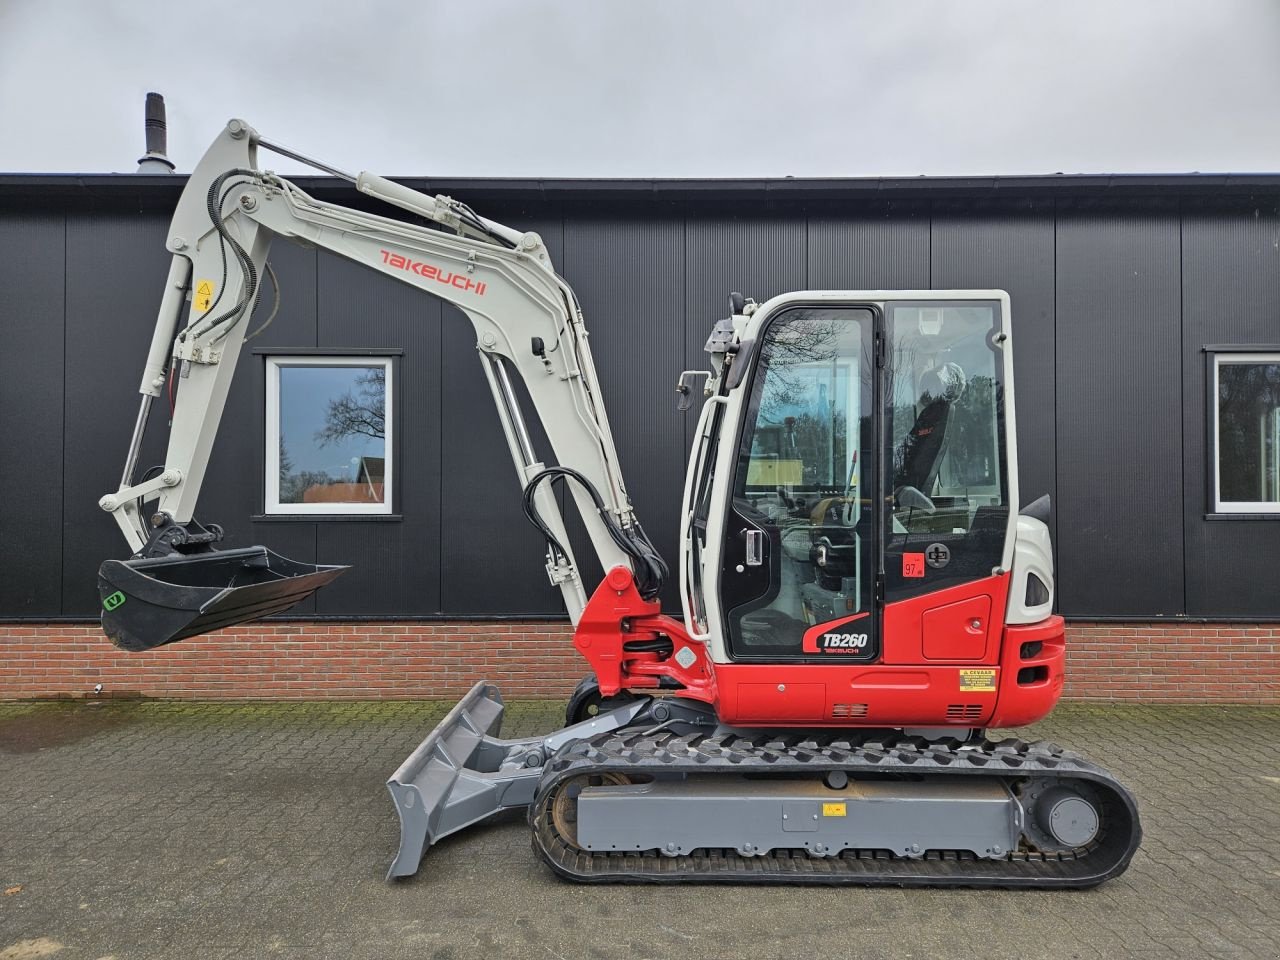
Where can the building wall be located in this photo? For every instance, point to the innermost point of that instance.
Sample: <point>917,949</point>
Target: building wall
<point>1153,663</point>
<point>1113,298</point>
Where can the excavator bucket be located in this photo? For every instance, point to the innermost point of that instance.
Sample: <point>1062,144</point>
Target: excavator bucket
<point>148,603</point>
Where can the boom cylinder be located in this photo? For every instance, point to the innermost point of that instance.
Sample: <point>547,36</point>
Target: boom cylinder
<point>406,198</point>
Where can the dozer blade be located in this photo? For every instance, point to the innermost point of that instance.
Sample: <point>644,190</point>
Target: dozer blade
<point>148,603</point>
<point>462,773</point>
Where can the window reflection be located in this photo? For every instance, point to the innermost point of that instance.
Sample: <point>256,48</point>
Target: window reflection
<point>1248,429</point>
<point>802,478</point>
<point>331,435</point>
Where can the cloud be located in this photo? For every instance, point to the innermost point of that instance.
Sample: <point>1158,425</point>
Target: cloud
<point>708,89</point>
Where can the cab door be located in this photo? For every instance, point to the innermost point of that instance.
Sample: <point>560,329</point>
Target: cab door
<point>799,560</point>
<point>946,473</point>
<point>947,496</point>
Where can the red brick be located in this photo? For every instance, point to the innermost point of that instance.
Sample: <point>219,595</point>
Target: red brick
<point>1154,662</point>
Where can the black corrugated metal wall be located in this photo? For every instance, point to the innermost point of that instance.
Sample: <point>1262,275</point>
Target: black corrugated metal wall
<point>1113,300</point>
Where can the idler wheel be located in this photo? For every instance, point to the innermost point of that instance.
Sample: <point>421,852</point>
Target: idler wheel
<point>564,806</point>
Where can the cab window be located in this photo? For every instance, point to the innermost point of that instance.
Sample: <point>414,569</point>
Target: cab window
<point>947,484</point>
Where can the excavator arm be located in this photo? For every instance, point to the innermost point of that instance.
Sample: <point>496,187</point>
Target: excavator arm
<point>527,323</point>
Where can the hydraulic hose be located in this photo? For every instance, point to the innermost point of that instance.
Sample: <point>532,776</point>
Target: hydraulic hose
<point>647,566</point>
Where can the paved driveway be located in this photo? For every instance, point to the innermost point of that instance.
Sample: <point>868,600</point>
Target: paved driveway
<point>139,830</point>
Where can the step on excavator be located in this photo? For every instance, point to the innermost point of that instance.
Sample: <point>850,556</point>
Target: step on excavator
<point>861,597</point>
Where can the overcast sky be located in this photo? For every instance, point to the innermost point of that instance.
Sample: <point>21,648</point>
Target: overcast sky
<point>653,89</point>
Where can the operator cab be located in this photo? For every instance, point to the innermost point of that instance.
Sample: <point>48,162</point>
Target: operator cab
<point>869,466</point>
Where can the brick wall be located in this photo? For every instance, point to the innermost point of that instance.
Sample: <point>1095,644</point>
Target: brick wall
<point>1157,662</point>
<point>1174,662</point>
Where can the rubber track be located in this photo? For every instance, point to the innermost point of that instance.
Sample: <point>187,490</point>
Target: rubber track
<point>809,755</point>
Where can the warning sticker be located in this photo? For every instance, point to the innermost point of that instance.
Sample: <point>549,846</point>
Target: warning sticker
<point>202,300</point>
<point>978,680</point>
<point>833,810</point>
<point>913,564</point>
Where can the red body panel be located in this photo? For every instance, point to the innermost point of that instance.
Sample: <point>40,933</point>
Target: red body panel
<point>1027,702</point>
<point>616,617</point>
<point>947,660</point>
<point>951,612</point>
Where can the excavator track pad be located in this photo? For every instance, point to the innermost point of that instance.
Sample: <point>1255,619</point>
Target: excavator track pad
<point>151,602</point>
<point>830,807</point>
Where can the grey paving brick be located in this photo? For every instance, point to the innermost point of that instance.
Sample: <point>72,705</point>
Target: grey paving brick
<point>142,830</point>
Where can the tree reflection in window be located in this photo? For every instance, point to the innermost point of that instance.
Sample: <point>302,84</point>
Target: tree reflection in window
<point>332,422</point>
<point>803,420</point>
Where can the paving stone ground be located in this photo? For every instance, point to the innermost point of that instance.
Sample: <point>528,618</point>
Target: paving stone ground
<point>142,830</point>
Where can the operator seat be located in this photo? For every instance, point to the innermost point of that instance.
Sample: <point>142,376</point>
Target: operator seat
<point>920,452</point>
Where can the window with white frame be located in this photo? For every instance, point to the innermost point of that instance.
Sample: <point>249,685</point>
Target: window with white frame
<point>329,429</point>
<point>1246,429</point>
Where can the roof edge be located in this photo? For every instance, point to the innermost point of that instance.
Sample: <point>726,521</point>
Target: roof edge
<point>779,188</point>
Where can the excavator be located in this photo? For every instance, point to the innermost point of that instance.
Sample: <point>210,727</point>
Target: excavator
<point>862,594</point>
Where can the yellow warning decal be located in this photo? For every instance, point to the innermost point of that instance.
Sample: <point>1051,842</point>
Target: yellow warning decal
<point>203,298</point>
<point>833,810</point>
<point>978,680</point>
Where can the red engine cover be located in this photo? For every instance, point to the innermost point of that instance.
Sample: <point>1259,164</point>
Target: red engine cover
<point>948,660</point>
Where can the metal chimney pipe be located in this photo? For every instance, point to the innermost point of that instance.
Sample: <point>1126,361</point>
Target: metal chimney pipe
<point>156,159</point>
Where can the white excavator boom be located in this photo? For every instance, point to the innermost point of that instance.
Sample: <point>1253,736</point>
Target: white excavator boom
<point>527,321</point>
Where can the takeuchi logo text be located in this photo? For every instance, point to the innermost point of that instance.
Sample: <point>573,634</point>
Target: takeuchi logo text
<point>432,272</point>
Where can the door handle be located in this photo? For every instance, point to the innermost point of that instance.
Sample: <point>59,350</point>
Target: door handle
<point>755,548</point>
